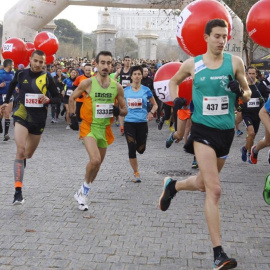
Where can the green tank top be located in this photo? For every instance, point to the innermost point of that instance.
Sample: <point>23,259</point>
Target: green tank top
<point>213,100</point>
<point>102,102</point>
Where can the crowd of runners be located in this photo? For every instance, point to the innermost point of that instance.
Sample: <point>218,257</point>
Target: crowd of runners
<point>91,95</point>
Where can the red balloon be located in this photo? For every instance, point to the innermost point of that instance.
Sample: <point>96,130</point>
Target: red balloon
<point>257,25</point>
<point>15,49</point>
<point>50,59</point>
<point>30,48</point>
<point>161,83</point>
<point>192,21</point>
<point>46,42</point>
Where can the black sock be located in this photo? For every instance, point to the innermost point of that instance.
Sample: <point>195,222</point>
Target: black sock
<point>7,124</point>
<point>218,251</point>
<point>18,189</point>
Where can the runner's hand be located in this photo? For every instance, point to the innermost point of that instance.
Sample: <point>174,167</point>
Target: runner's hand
<point>235,87</point>
<point>74,122</point>
<point>116,111</point>
<point>179,103</point>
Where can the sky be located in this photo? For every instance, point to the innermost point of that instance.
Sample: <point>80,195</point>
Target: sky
<point>75,14</point>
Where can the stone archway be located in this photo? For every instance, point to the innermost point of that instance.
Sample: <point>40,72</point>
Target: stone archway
<point>27,17</point>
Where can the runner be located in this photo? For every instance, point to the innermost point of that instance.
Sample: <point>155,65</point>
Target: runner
<point>265,142</point>
<point>216,78</point>
<point>6,76</point>
<point>101,93</point>
<point>250,111</point>
<point>30,116</point>
<point>68,82</point>
<point>135,126</point>
<point>125,80</point>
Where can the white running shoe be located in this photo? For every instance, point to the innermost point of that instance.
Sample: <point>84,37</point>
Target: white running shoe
<point>82,199</point>
<point>68,127</point>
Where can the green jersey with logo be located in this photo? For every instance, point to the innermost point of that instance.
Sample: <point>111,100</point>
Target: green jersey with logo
<point>213,100</point>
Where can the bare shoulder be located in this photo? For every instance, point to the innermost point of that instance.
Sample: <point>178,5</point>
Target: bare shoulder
<point>236,61</point>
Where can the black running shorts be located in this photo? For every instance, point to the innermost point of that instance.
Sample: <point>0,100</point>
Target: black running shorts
<point>219,140</point>
<point>33,128</point>
<point>252,120</point>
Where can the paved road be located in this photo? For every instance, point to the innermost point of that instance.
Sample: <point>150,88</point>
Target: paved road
<point>124,229</point>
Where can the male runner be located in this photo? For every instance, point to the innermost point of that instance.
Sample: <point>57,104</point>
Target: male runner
<point>97,111</point>
<point>35,85</point>
<point>216,78</point>
<point>125,80</point>
<point>6,76</point>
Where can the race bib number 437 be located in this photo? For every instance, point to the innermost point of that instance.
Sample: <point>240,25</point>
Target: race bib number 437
<point>215,105</point>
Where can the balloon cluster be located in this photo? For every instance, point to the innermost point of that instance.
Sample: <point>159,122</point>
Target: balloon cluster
<point>20,51</point>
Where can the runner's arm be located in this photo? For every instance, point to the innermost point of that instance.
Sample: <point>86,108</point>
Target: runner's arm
<point>184,71</point>
<point>240,76</point>
<point>82,87</point>
<point>265,118</point>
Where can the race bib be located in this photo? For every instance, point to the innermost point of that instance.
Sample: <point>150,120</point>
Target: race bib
<point>125,83</point>
<point>253,103</point>
<point>215,105</point>
<point>33,100</point>
<point>104,110</point>
<point>134,103</point>
<point>69,92</point>
<point>162,90</point>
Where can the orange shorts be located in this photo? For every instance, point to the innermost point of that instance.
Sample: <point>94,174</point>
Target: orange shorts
<point>103,136</point>
<point>184,114</point>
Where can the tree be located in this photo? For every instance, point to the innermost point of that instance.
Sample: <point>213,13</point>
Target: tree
<point>126,46</point>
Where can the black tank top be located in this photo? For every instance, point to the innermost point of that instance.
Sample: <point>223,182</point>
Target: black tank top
<point>125,78</point>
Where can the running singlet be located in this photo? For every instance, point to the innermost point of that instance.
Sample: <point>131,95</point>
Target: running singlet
<point>69,83</point>
<point>213,100</point>
<point>32,86</point>
<point>125,78</point>
<point>97,108</point>
<point>137,104</point>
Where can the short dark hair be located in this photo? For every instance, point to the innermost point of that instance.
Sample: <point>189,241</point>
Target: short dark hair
<point>7,62</point>
<point>127,57</point>
<point>214,23</point>
<point>105,53</point>
<point>38,52</point>
<point>135,68</point>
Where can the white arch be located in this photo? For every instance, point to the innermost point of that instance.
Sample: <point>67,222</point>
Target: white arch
<point>27,17</point>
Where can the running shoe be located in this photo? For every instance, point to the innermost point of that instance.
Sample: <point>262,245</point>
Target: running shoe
<point>160,124</point>
<point>82,197</point>
<point>253,156</point>
<point>224,263</point>
<point>171,129</point>
<point>6,137</point>
<point>167,194</point>
<point>243,151</point>
<point>266,191</point>
<point>167,122</point>
<point>137,178</point>
<point>53,121</point>
<point>18,198</point>
<point>117,123</point>
<point>194,164</point>
<point>239,133</point>
<point>157,120</point>
<point>68,127</point>
<point>170,140</point>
